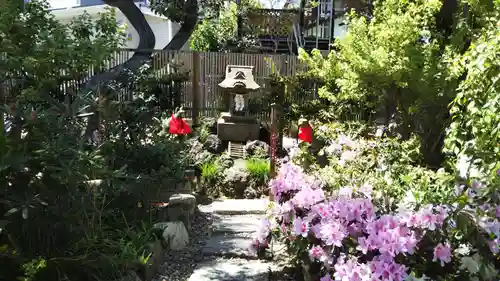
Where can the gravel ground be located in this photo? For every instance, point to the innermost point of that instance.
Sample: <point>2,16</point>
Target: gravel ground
<point>179,265</point>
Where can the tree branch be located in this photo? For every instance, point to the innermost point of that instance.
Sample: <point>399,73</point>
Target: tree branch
<point>122,72</point>
<point>147,42</point>
<point>187,27</point>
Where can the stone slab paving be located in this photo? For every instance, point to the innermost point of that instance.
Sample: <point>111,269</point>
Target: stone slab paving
<point>227,245</point>
<point>232,270</point>
<point>226,252</point>
<point>240,206</point>
<point>240,164</point>
<point>236,223</point>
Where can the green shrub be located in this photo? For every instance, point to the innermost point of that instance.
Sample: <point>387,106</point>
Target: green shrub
<point>62,226</point>
<point>258,169</point>
<point>390,166</point>
<point>204,133</point>
<point>209,172</point>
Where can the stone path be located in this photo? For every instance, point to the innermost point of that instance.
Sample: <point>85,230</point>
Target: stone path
<point>226,254</point>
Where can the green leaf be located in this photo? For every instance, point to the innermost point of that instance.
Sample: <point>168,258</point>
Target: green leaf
<point>11,211</point>
<point>3,137</point>
<point>3,224</point>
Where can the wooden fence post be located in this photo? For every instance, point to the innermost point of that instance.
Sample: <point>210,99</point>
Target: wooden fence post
<point>275,121</point>
<point>195,80</point>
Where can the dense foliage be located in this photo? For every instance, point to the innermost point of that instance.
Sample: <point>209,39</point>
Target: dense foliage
<point>221,175</point>
<point>219,33</point>
<point>390,166</point>
<point>345,236</point>
<point>475,129</point>
<point>213,34</point>
<point>401,63</point>
<point>407,190</point>
<point>71,210</point>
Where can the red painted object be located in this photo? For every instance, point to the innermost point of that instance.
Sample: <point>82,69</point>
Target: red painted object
<point>274,140</point>
<point>306,133</point>
<point>178,126</point>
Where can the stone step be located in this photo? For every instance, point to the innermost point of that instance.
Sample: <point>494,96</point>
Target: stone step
<point>237,150</point>
<point>240,206</point>
<point>229,245</point>
<point>232,270</point>
<point>236,223</point>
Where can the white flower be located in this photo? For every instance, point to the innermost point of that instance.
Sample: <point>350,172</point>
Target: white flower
<point>345,192</point>
<point>388,178</point>
<point>463,164</point>
<point>348,155</point>
<point>333,149</point>
<point>462,250</point>
<point>366,189</point>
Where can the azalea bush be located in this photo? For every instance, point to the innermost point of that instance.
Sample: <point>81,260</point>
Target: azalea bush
<point>325,132</point>
<point>393,167</point>
<point>345,236</point>
<point>390,165</point>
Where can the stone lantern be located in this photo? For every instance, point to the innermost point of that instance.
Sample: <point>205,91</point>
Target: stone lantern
<point>236,125</point>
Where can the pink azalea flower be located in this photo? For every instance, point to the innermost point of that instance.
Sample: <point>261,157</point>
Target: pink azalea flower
<point>333,233</point>
<point>300,227</point>
<point>476,184</point>
<point>351,270</point>
<point>442,253</point>
<point>257,245</point>
<point>493,244</point>
<point>385,268</point>
<point>317,253</point>
<point>363,245</point>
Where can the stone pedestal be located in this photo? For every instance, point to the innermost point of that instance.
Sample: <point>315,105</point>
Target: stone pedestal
<point>237,128</point>
<point>181,207</point>
<point>169,189</point>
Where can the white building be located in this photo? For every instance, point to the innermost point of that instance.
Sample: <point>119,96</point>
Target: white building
<point>164,30</point>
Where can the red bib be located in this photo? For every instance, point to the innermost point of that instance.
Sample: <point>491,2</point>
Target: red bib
<point>178,126</point>
<point>306,134</point>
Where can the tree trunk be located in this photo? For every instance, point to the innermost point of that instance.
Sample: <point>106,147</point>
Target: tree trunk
<point>146,44</point>
<point>187,27</point>
<point>124,71</point>
<point>190,20</point>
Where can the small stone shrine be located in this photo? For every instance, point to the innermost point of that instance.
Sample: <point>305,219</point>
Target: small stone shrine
<point>236,126</point>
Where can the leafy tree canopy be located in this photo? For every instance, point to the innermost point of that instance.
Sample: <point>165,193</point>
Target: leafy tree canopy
<point>475,128</point>
<point>220,33</point>
<point>400,60</point>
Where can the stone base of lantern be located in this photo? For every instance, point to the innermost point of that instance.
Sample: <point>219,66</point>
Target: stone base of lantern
<point>237,128</point>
